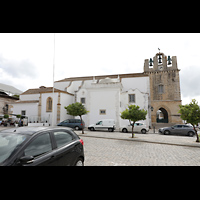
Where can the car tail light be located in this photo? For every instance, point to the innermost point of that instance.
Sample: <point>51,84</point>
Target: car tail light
<point>81,141</point>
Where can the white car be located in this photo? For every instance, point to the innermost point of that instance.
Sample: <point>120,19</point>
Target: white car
<point>138,127</point>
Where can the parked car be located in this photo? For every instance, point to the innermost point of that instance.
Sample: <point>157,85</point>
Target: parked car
<point>179,129</point>
<point>73,123</point>
<point>104,124</point>
<point>138,127</point>
<point>37,146</point>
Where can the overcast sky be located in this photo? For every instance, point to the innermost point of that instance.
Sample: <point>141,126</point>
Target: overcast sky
<point>26,59</point>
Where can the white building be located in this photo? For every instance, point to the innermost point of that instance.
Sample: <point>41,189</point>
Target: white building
<point>105,97</point>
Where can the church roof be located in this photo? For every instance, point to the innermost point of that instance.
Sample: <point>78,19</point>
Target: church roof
<point>112,76</point>
<point>43,89</point>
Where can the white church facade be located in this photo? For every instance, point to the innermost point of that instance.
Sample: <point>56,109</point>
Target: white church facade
<point>105,97</point>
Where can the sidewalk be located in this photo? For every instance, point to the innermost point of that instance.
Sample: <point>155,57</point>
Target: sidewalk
<point>150,137</point>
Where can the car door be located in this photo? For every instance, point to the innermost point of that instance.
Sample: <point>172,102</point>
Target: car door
<point>99,125</point>
<point>40,147</point>
<point>177,130</point>
<point>136,127</point>
<point>65,154</point>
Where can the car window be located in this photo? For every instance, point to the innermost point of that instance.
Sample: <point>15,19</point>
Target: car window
<point>99,123</point>
<point>66,121</point>
<point>39,146</point>
<point>62,138</point>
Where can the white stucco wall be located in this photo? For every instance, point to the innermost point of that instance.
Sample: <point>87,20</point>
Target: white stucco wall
<point>29,97</point>
<point>30,108</point>
<point>65,100</point>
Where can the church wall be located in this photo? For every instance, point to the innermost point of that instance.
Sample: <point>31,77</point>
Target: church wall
<point>29,97</point>
<point>46,114</point>
<point>30,108</point>
<point>65,100</point>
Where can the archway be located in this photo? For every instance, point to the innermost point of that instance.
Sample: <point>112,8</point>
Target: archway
<point>162,116</point>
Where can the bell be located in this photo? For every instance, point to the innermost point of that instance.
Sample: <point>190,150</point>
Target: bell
<point>151,61</point>
<point>159,59</point>
<point>169,60</point>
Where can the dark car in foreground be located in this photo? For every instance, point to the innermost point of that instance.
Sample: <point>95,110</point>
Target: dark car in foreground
<point>73,123</point>
<point>179,129</point>
<point>37,146</point>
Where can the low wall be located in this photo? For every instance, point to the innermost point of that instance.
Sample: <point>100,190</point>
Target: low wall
<point>38,124</point>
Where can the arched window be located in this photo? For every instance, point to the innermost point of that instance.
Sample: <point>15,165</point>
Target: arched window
<point>49,104</point>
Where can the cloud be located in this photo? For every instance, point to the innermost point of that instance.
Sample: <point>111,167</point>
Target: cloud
<point>18,69</point>
<point>189,79</point>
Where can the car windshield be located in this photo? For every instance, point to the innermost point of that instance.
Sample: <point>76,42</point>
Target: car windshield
<point>8,143</point>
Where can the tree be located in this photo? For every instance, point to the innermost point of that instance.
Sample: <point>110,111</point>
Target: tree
<point>134,113</point>
<point>76,109</point>
<point>191,113</point>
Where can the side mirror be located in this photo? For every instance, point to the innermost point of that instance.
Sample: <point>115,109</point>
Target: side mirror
<point>26,159</point>
<point>172,127</point>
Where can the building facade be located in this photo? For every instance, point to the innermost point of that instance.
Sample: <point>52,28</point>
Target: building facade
<point>156,90</point>
<point>164,88</point>
<point>105,97</point>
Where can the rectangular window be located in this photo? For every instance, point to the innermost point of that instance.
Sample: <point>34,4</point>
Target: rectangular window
<point>131,98</point>
<point>102,112</point>
<point>160,89</point>
<point>23,112</point>
<point>83,100</point>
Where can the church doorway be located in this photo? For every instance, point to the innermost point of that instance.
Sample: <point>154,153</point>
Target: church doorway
<point>162,116</point>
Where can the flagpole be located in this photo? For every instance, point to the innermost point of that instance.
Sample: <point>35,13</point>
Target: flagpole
<point>52,124</point>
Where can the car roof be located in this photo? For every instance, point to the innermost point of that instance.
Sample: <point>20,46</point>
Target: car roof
<point>32,130</point>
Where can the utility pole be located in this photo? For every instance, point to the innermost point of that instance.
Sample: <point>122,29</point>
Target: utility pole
<point>52,123</point>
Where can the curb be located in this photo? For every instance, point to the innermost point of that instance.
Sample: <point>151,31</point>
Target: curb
<point>136,140</point>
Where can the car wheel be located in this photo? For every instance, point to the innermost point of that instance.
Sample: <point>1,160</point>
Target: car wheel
<point>124,130</point>
<point>76,128</point>
<point>191,134</point>
<point>92,128</point>
<point>143,131</point>
<point>110,129</point>
<point>166,132</point>
<point>79,162</point>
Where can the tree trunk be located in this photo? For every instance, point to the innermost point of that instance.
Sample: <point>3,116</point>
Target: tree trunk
<point>196,133</point>
<point>82,123</point>
<point>132,130</point>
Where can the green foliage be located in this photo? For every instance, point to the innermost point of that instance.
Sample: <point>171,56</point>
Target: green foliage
<point>191,113</point>
<point>76,109</point>
<point>134,113</point>
<point>6,116</point>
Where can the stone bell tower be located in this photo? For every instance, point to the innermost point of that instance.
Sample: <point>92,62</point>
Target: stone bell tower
<point>165,91</point>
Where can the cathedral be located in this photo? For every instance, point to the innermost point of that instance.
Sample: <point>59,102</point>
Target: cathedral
<point>156,90</point>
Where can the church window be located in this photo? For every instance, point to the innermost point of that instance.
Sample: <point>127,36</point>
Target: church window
<point>102,112</point>
<point>160,89</point>
<point>49,104</point>
<point>83,100</point>
<point>131,98</point>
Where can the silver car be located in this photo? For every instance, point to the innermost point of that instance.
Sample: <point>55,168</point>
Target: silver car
<point>138,127</point>
<point>179,129</point>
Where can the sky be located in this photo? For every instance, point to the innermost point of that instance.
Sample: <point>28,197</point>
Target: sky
<point>26,59</point>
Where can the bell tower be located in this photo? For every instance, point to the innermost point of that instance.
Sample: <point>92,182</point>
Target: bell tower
<point>165,91</point>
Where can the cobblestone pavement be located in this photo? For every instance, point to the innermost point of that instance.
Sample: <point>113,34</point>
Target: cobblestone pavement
<point>111,152</point>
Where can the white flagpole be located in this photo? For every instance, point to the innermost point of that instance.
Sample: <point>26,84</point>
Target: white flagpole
<point>52,124</point>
